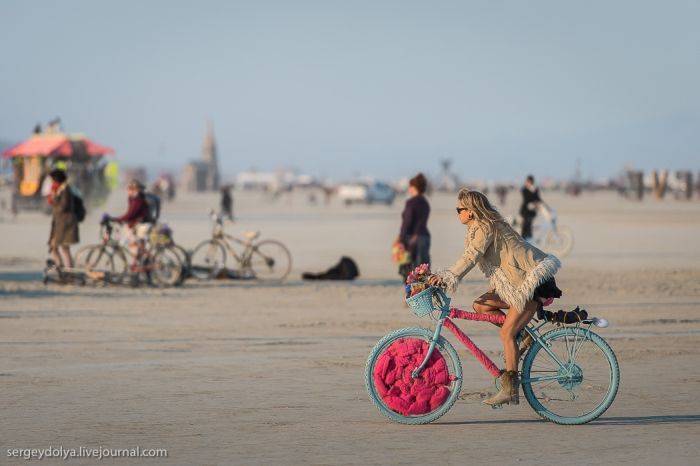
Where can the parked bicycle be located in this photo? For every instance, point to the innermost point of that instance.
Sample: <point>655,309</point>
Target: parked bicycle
<point>569,374</point>
<point>262,260</point>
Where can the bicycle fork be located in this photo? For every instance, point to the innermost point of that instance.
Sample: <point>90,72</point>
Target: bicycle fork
<point>433,341</point>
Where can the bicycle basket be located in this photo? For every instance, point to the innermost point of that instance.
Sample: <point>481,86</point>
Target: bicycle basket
<point>429,300</point>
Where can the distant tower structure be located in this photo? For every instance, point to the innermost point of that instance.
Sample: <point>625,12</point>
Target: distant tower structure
<point>203,174</point>
<point>449,182</point>
<point>209,158</point>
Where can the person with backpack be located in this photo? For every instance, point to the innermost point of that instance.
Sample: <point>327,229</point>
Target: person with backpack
<point>67,210</point>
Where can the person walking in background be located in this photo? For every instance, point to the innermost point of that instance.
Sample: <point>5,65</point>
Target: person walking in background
<point>64,221</point>
<point>528,209</point>
<point>227,202</point>
<point>502,193</point>
<point>414,234</point>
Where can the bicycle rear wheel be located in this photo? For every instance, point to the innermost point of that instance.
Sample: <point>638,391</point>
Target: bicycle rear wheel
<point>270,260</point>
<point>167,268</point>
<point>560,241</point>
<point>207,259</point>
<point>578,390</point>
<point>396,393</point>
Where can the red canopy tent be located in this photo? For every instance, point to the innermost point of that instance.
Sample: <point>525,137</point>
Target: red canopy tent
<point>49,145</point>
<point>33,158</point>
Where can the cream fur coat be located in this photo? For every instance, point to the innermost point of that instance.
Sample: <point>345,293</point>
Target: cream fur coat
<point>514,266</point>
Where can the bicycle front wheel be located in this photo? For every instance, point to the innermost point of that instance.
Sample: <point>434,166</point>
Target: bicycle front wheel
<point>573,379</point>
<point>82,254</point>
<point>270,260</point>
<point>207,259</point>
<point>102,260</point>
<point>394,391</point>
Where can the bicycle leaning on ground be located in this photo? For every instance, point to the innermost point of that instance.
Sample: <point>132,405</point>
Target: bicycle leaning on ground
<point>263,260</point>
<point>569,374</point>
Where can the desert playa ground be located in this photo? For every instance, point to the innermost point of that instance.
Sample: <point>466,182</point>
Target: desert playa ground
<point>239,373</point>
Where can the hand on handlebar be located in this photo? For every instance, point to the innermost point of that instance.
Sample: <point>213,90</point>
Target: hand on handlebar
<point>437,281</point>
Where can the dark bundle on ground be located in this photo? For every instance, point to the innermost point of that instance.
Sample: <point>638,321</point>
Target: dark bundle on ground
<point>346,269</point>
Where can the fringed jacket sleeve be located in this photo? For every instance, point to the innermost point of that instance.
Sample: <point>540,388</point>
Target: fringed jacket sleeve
<point>479,238</point>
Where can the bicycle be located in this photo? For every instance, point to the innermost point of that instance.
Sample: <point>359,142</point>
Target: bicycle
<point>550,235</point>
<point>569,374</point>
<point>262,260</point>
<point>110,261</point>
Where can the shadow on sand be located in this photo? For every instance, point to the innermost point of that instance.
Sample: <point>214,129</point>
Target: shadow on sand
<point>21,276</point>
<point>604,421</point>
<point>292,283</point>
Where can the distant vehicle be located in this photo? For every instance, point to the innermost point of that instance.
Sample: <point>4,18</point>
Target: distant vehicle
<point>366,193</point>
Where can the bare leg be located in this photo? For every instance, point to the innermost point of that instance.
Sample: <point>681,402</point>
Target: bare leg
<point>514,323</point>
<point>65,254</point>
<point>56,257</point>
<point>490,303</point>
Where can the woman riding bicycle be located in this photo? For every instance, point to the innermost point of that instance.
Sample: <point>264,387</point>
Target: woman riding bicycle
<point>521,277</point>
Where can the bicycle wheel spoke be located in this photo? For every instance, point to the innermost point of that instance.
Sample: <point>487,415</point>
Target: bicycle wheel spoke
<point>576,350</point>
<point>568,349</point>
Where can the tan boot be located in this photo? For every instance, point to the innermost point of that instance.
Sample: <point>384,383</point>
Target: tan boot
<point>509,390</point>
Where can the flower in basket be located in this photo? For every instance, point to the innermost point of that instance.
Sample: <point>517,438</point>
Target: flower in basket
<point>417,280</point>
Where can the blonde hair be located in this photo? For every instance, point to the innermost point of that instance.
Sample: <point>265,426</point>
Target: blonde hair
<point>479,204</point>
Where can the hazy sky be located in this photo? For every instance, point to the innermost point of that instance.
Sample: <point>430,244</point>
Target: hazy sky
<point>381,87</point>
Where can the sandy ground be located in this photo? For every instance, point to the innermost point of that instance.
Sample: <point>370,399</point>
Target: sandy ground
<point>238,373</point>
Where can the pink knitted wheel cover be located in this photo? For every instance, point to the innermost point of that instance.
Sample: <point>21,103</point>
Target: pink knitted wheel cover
<point>399,391</point>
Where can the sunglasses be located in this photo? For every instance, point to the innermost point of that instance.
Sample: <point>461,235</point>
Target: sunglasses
<point>461,209</point>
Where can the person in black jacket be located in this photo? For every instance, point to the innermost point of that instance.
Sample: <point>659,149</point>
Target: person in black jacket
<point>227,202</point>
<point>414,234</point>
<point>528,209</point>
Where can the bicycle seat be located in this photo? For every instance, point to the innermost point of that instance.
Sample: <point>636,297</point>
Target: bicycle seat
<point>251,235</point>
